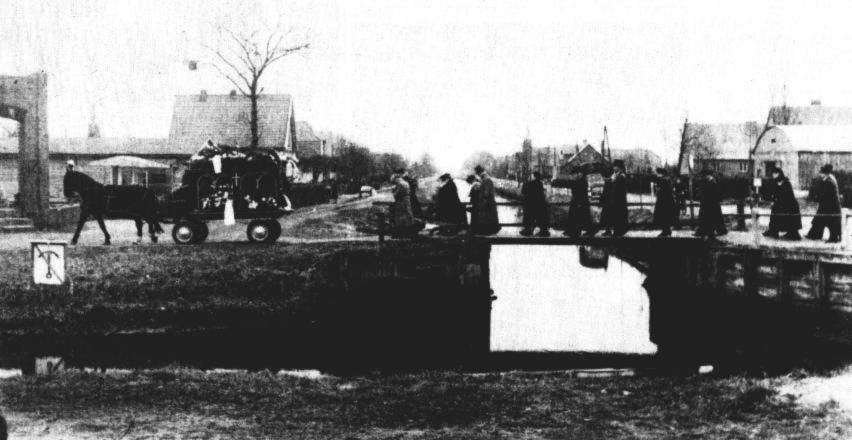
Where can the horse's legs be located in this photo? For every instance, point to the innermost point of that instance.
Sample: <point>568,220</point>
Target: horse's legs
<point>152,230</point>
<point>84,215</point>
<point>138,230</point>
<point>100,219</point>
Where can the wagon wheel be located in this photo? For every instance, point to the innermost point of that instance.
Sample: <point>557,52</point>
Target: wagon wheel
<point>263,231</point>
<point>189,232</point>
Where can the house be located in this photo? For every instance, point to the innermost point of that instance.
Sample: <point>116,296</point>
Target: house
<point>308,144</point>
<point>225,120</point>
<point>84,151</point>
<point>800,150</point>
<point>586,155</point>
<point>637,160</point>
<point>724,148</point>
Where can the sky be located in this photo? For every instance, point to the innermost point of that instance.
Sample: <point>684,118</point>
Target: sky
<point>444,77</point>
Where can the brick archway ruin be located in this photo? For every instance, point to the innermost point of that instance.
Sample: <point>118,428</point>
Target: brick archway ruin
<point>24,99</point>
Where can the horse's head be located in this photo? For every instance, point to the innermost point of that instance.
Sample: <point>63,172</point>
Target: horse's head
<point>76,183</point>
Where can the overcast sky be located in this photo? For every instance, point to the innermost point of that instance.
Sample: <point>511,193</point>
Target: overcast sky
<point>447,77</point>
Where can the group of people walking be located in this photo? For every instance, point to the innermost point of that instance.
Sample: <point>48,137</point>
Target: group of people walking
<point>451,214</point>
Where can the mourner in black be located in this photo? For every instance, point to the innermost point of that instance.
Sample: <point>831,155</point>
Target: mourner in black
<point>449,210</point>
<point>710,220</point>
<point>785,209</point>
<point>412,187</point>
<point>614,215</point>
<point>535,207</point>
<point>828,212</point>
<point>473,196</point>
<point>665,209</point>
<point>579,209</point>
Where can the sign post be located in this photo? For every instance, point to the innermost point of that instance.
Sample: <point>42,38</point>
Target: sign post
<point>48,261</point>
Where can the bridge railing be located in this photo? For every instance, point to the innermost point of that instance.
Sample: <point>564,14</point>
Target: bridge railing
<point>745,219</point>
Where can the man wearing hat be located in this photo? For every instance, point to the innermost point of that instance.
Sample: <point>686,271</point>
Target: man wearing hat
<point>487,222</point>
<point>579,210</point>
<point>710,220</point>
<point>614,214</point>
<point>828,212</point>
<point>535,207</point>
<point>449,210</point>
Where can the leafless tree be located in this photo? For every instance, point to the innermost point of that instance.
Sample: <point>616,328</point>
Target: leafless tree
<point>697,139</point>
<point>243,57</point>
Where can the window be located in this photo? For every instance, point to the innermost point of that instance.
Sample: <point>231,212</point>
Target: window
<point>743,166</point>
<point>773,140</point>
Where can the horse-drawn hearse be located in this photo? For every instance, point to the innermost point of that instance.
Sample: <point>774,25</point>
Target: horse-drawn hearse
<point>221,183</point>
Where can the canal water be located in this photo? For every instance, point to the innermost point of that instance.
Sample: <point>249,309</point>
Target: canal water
<point>548,301</point>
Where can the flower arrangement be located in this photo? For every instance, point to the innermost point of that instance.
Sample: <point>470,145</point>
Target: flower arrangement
<point>261,203</point>
<point>215,200</point>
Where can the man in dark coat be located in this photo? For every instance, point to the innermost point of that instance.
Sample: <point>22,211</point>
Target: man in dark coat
<point>579,210</point>
<point>486,205</point>
<point>449,210</point>
<point>535,207</point>
<point>785,209</point>
<point>412,188</point>
<point>710,220</point>
<point>828,212</point>
<point>614,215</point>
<point>665,209</point>
<point>473,196</point>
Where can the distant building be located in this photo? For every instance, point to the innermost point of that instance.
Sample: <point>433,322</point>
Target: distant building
<point>308,144</point>
<point>723,148</point>
<point>585,155</point>
<point>800,150</point>
<point>637,160</point>
<point>814,114</point>
<point>84,150</point>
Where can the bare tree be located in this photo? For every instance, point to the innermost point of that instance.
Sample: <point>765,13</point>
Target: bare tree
<point>697,140</point>
<point>245,57</point>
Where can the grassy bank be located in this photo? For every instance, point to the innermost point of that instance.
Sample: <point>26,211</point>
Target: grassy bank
<point>141,286</point>
<point>194,404</point>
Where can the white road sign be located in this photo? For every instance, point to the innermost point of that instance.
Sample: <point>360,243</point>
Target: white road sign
<point>48,263</point>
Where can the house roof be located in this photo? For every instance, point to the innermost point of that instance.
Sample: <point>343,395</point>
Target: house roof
<point>817,138</point>
<point>304,132</point>
<point>225,120</point>
<point>98,146</point>
<point>126,162</point>
<point>729,141</point>
<point>810,115</point>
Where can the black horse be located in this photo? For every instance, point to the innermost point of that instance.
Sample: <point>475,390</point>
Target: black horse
<point>112,201</point>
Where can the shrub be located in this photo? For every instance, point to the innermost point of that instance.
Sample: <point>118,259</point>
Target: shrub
<point>307,194</point>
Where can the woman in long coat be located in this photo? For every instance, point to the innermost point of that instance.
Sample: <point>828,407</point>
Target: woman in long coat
<point>579,209</point>
<point>448,207</point>
<point>785,209</point>
<point>665,209</point>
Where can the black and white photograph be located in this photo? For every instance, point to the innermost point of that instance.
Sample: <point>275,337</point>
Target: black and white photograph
<point>425,219</point>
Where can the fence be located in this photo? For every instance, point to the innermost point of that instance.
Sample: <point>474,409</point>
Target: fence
<point>742,220</point>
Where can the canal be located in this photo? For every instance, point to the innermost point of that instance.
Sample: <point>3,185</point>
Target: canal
<point>548,301</point>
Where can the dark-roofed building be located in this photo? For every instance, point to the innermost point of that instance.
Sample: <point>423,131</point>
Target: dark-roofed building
<point>225,120</point>
<point>723,148</point>
<point>308,144</point>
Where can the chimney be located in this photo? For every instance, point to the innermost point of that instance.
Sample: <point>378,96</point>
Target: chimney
<point>816,102</point>
<point>203,96</point>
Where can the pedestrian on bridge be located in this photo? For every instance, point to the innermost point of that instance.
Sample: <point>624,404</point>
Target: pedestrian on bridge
<point>402,220</point>
<point>614,202</point>
<point>579,209</point>
<point>786,216</point>
<point>535,207</point>
<point>710,220</point>
<point>665,208</point>
<point>449,210</point>
<point>412,193</point>
<point>487,222</point>
<point>828,211</point>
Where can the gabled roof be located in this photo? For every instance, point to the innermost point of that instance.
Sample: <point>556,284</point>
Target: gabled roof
<point>126,162</point>
<point>816,138</point>
<point>83,146</point>
<point>304,132</point>
<point>225,120</point>
<point>810,115</point>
